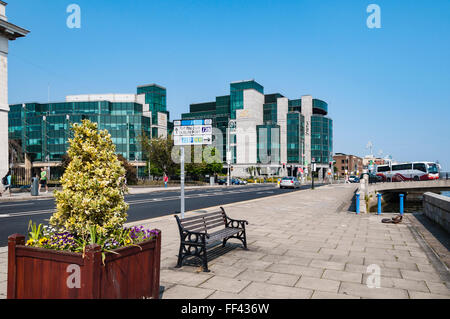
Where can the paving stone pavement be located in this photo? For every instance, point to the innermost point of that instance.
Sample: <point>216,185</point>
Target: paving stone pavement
<point>300,245</point>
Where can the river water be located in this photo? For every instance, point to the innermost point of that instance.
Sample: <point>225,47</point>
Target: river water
<point>409,206</point>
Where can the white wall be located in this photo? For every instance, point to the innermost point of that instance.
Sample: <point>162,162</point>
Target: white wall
<point>246,121</point>
<point>3,14</point>
<point>4,108</point>
<point>307,112</point>
<point>111,97</point>
<point>282,110</point>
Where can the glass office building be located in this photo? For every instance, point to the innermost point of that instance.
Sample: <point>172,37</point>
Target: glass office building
<point>43,129</point>
<point>303,131</point>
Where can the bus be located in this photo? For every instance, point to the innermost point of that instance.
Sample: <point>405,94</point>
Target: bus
<point>412,171</point>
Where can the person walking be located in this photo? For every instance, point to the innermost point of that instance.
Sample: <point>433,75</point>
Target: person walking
<point>43,181</point>
<point>166,179</point>
<point>6,181</point>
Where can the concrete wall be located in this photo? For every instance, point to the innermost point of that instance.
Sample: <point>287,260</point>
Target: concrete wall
<point>4,107</point>
<point>282,111</point>
<point>102,97</point>
<point>246,121</point>
<point>437,208</point>
<point>307,111</point>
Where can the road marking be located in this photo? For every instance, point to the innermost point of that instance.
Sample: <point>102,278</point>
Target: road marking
<point>36,212</point>
<point>143,201</point>
<point>15,205</point>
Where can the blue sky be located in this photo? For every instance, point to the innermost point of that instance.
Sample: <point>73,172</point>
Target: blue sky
<point>390,85</point>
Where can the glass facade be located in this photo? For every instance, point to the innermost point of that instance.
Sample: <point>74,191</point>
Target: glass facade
<point>295,138</point>
<point>295,105</point>
<point>268,149</point>
<point>156,98</point>
<point>321,139</point>
<point>270,113</point>
<point>320,107</point>
<point>43,129</point>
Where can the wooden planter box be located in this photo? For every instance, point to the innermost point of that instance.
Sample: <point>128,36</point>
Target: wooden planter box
<point>44,273</point>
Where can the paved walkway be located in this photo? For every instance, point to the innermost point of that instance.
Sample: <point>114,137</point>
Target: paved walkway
<point>301,245</point>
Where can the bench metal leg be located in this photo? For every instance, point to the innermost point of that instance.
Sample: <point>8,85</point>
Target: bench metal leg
<point>205,260</point>
<point>180,257</point>
<point>244,240</point>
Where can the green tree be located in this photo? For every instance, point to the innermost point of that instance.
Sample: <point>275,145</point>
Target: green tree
<point>159,152</point>
<point>131,172</point>
<point>92,185</point>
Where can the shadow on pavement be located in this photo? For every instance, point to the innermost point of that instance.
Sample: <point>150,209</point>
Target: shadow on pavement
<point>436,230</point>
<point>213,253</point>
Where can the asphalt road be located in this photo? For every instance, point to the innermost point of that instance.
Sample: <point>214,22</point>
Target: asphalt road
<point>15,216</point>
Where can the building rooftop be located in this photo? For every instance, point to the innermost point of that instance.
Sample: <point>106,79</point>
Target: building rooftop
<point>12,31</point>
<point>153,84</point>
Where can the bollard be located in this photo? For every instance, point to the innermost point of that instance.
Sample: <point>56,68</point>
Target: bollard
<point>357,202</point>
<point>401,204</point>
<point>379,204</point>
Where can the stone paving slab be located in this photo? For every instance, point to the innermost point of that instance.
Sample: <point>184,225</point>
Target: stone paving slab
<point>300,245</point>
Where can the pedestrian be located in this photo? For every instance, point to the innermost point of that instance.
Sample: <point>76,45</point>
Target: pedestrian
<point>166,179</point>
<point>43,181</point>
<point>6,181</point>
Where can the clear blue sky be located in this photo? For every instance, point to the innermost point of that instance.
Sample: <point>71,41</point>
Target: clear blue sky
<point>390,85</point>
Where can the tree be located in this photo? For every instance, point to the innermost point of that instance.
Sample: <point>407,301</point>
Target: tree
<point>211,163</point>
<point>159,152</point>
<point>16,154</point>
<point>131,172</point>
<point>92,185</point>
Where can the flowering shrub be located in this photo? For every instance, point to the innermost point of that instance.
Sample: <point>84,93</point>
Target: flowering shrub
<point>91,208</point>
<point>92,185</point>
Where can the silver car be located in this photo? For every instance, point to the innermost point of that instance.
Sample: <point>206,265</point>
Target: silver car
<point>290,182</point>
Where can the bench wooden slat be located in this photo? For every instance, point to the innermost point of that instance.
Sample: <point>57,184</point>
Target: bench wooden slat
<point>208,225</point>
<point>222,234</point>
<point>201,221</point>
<point>200,216</point>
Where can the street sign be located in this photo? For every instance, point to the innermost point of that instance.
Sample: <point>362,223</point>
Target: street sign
<point>192,132</point>
<point>186,133</point>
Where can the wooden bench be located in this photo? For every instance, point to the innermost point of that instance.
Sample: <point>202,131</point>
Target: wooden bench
<point>199,231</point>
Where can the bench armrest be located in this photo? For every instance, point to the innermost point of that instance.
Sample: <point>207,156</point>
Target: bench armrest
<point>236,222</point>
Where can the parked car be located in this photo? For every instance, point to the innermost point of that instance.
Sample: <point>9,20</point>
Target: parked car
<point>353,179</point>
<point>372,178</point>
<point>238,181</point>
<point>243,182</point>
<point>222,181</point>
<point>289,182</point>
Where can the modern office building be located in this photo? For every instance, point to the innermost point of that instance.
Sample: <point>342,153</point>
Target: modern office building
<point>8,32</point>
<point>43,129</point>
<point>269,132</point>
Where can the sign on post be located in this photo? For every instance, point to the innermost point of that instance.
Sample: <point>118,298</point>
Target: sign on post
<point>190,132</point>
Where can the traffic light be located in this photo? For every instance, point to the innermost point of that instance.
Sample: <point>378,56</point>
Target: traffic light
<point>231,168</point>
